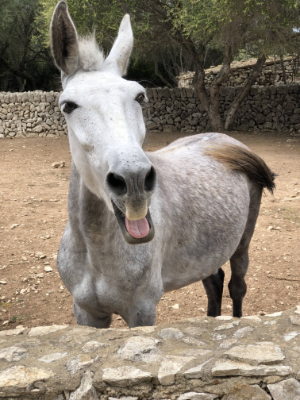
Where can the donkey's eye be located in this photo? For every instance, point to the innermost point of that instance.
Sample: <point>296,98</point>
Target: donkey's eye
<point>69,107</point>
<point>140,98</point>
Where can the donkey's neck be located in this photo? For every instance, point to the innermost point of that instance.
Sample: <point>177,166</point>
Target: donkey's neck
<point>89,215</point>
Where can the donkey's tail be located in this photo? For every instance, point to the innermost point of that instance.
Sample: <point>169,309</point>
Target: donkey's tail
<point>241,159</point>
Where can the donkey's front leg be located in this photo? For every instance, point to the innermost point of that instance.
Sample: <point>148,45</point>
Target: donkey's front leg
<point>213,286</point>
<point>142,314</point>
<point>86,319</point>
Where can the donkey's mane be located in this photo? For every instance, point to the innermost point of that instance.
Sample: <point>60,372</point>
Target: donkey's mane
<point>91,56</point>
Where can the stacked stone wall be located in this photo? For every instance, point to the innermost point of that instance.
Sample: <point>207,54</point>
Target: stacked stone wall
<point>223,358</point>
<point>271,74</point>
<point>274,108</point>
<point>31,114</point>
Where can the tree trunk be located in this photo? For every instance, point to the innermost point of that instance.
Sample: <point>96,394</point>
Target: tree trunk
<point>241,96</point>
<point>283,69</point>
<point>212,104</point>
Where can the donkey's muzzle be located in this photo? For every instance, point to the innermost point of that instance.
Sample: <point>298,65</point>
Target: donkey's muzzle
<point>121,184</point>
<point>131,190</point>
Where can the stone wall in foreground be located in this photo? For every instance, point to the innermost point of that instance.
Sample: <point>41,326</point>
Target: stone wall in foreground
<point>274,108</point>
<point>203,358</point>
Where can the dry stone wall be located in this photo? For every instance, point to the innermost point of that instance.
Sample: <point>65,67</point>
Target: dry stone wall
<point>274,108</point>
<point>204,358</point>
<point>271,74</point>
<point>31,114</point>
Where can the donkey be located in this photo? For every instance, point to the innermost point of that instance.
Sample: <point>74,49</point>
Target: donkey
<point>142,224</point>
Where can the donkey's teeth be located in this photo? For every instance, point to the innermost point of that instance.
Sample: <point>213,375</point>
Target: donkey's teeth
<point>137,229</point>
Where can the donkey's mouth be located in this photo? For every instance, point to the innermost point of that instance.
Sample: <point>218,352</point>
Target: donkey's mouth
<point>135,232</point>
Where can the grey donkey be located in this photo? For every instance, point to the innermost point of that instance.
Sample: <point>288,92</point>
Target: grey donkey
<point>142,224</point>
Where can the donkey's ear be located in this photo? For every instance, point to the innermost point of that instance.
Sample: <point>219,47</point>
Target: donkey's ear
<point>118,57</point>
<point>64,39</point>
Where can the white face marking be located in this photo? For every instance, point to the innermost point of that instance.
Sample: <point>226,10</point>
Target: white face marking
<point>106,129</point>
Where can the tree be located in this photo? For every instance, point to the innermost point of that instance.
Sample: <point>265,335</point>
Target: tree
<point>22,54</point>
<point>265,27</point>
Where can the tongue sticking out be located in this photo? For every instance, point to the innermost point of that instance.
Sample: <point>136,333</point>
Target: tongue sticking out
<point>137,229</point>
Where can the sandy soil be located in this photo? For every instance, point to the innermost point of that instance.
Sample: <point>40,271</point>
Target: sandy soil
<point>33,214</point>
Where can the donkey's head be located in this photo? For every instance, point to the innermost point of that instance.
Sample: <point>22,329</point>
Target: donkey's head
<point>105,123</point>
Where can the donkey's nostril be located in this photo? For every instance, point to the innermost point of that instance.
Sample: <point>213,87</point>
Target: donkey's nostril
<point>116,184</point>
<point>150,179</point>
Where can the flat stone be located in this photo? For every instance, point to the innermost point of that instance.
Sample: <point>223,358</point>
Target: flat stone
<point>190,340</point>
<point>194,352</point>
<point>124,398</point>
<point>79,362</point>
<point>138,348</point>
<point>217,336</point>
<point>223,318</point>
<point>297,310</point>
<point>252,318</point>
<point>227,343</point>
<point>125,376</point>
<point>48,269</point>
<point>93,345</point>
<point>291,335</point>
<point>240,333</point>
<point>170,333</point>
<point>197,396</point>
<point>19,378</point>
<point>12,332</point>
<point>144,329</point>
<point>285,390</point>
<point>169,367</point>
<point>52,357</point>
<point>44,330</point>
<point>195,372</point>
<point>275,314</point>
<point>259,353</point>
<point>247,392</point>
<point>193,331</point>
<point>86,391</point>
<point>295,320</point>
<point>230,325</point>
<point>233,368</point>
<point>13,353</point>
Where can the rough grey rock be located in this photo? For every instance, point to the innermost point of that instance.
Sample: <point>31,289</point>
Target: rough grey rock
<point>139,348</point>
<point>247,392</point>
<point>259,353</point>
<point>86,391</point>
<point>287,390</point>
<point>233,368</point>
<point>170,367</point>
<point>13,353</point>
<point>125,376</point>
<point>197,396</point>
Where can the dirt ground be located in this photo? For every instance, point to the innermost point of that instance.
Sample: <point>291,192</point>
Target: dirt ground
<point>33,214</point>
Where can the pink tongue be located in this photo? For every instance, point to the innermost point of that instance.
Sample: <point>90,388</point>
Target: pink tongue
<point>137,229</point>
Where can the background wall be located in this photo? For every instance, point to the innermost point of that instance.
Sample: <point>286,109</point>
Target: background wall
<point>274,108</point>
<point>272,73</point>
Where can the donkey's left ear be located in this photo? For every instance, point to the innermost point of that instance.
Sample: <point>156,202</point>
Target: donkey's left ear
<point>64,40</point>
<point>118,58</point>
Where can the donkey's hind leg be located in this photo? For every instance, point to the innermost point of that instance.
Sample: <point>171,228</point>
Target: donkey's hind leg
<point>213,286</point>
<point>240,260</point>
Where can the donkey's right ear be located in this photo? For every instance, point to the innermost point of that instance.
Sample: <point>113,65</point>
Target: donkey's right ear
<point>64,40</point>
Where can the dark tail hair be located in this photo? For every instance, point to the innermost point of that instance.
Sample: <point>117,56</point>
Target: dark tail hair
<point>241,159</point>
